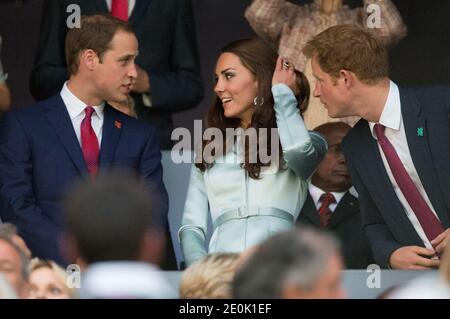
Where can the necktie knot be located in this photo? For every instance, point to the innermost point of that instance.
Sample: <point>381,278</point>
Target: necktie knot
<point>327,198</point>
<point>324,211</point>
<point>88,111</point>
<point>379,130</point>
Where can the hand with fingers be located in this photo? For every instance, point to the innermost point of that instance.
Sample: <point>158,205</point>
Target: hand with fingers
<point>285,73</point>
<point>414,258</point>
<point>440,242</point>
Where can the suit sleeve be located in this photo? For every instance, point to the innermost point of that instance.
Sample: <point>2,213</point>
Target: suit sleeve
<point>182,88</point>
<point>17,197</point>
<point>152,172</point>
<point>302,150</point>
<point>194,223</point>
<point>380,238</point>
<point>49,70</point>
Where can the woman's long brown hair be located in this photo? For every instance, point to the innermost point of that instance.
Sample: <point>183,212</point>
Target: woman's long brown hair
<point>260,60</point>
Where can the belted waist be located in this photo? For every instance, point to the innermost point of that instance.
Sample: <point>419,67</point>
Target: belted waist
<point>246,212</point>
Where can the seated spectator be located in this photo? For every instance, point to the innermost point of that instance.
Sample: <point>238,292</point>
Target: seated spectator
<point>10,231</point>
<point>329,204</point>
<point>209,277</point>
<point>301,264</point>
<point>48,281</point>
<point>114,229</point>
<point>14,266</point>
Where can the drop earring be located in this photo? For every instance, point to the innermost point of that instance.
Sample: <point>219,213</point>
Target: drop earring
<point>258,101</point>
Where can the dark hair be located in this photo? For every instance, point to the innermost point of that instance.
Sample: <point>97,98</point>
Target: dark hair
<point>109,218</point>
<point>260,60</point>
<point>95,33</point>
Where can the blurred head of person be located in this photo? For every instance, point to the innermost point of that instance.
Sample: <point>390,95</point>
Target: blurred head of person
<point>113,219</point>
<point>300,264</point>
<point>9,230</point>
<point>209,277</point>
<point>47,280</point>
<point>14,266</point>
<point>332,174</point>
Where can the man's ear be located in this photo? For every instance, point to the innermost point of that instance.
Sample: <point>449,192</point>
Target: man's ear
<point>347,77</point>
<point>89,59</point>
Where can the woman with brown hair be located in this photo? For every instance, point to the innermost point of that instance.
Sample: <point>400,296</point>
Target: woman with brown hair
<point>252,185</point>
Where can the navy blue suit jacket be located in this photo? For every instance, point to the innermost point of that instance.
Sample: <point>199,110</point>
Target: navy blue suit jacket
<point>40,157</point>
<point>426,116</point>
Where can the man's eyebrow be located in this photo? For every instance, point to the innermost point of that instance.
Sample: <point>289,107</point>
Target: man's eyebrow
<point>127,57</point>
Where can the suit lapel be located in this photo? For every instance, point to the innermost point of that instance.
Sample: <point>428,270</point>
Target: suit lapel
<point>112,129</point>
<point>370,165</point>
<point>418,136</point>
<point>59,119</point>
<point>140,8</point>
<point>346,207</point>
<point>309,211</point>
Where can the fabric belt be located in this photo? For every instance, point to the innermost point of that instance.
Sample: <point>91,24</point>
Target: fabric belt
<point>246,212</point>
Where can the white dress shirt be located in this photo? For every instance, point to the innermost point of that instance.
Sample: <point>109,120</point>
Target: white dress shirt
<point>316,192</point>
<point>76,107</point>
<point>131,4</point>
<point>392,119</point>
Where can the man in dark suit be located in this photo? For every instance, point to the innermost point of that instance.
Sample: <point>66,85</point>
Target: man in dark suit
<point>168,70</point>
<point>397,154</point>
<point>75,134</point>
<point>329,204</point>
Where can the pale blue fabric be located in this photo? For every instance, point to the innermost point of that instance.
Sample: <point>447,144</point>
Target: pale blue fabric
<point>227,186</point>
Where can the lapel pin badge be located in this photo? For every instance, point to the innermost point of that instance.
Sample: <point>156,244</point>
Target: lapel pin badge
<point>118,124</point>
<point>420,131</point>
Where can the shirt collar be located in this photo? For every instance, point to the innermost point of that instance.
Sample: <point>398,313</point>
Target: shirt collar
<point>75,106</point>
<point>316,192</point>
<point>391,116</point>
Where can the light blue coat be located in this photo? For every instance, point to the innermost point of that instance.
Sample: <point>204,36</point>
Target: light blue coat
<point>227,187</point>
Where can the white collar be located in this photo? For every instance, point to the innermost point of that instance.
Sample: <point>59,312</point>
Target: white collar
<point>391,117</point>
<point>316,192</point>
<point>75,106</point>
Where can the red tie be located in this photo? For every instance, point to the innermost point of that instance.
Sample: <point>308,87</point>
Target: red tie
<point>429,222</point>
<point>324,211</point>
<point>89,142</point>
<point>119,9</point>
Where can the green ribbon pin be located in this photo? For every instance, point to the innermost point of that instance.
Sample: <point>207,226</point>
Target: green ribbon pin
<point>420,131</point>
